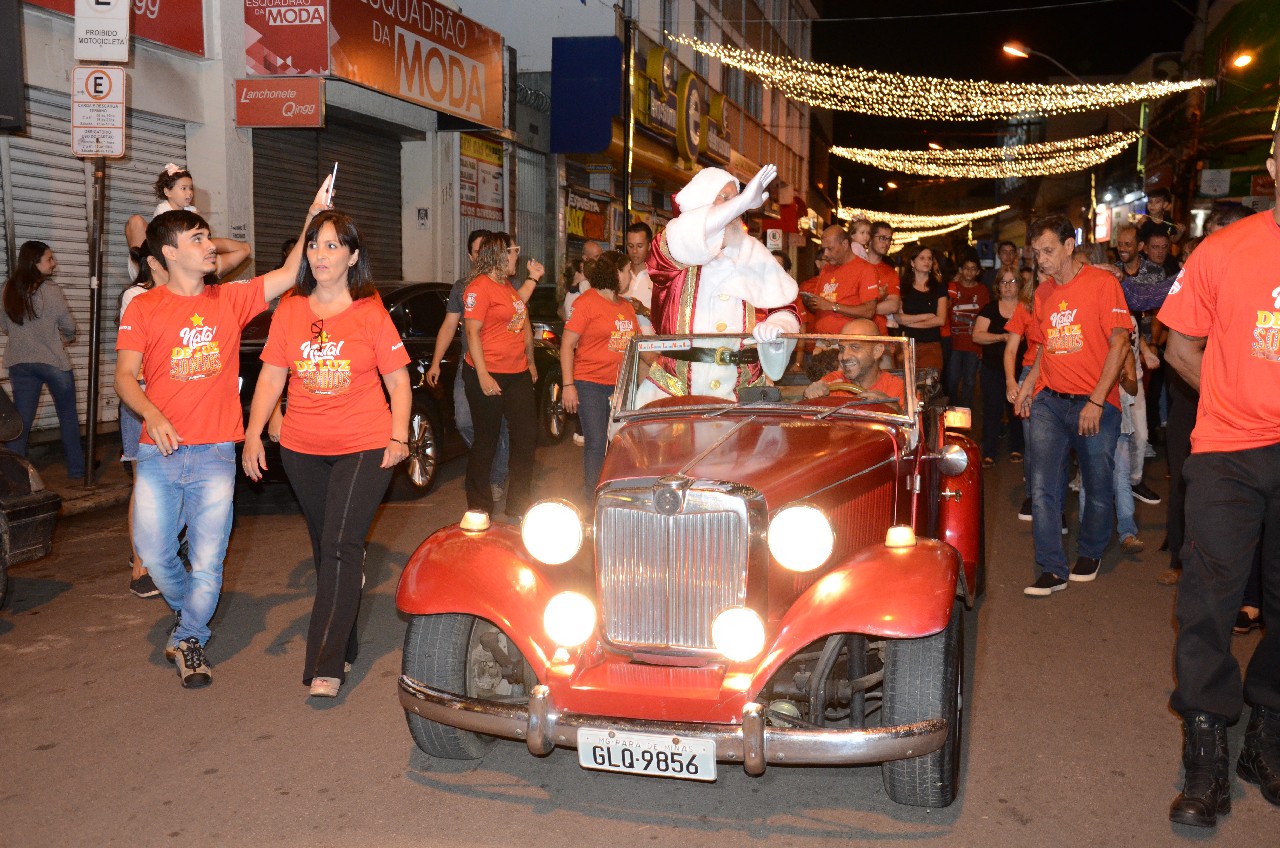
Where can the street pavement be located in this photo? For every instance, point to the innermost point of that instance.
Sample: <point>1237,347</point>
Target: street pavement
<point>1068,740</point>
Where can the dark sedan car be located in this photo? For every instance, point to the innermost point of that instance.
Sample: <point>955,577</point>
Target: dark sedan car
<point>418,311</point>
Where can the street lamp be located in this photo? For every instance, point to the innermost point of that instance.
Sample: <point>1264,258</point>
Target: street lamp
<point>1021,51</point>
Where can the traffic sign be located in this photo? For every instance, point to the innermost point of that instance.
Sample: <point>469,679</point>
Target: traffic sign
<point>98,112</point>
<point>102,30</point>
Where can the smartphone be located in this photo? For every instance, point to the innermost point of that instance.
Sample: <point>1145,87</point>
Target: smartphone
<point>333,179</point>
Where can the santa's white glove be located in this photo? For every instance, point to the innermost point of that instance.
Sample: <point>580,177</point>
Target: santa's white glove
<point>766,332</point>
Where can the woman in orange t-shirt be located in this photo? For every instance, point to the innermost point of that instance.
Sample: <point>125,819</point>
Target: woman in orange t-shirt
<point>498,376</point>
<point>339,442</point>
<point>595,339</point>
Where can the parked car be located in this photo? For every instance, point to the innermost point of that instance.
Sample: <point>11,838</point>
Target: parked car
<point>418,310</point>
<point>771,580</point>
<point>28,511</point>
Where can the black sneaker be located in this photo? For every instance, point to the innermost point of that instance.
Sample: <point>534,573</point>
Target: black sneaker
<point>1143,492</point>
<point>1024,514</point>
<point>193,668</point>
<point>144,587</point>
<point>1085,570</point>
<point>1046,584</point>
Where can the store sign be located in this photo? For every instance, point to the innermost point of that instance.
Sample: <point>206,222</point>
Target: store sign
<point>662,114</point>
<point>480,179</point>
<point>1259,203</point>
<point>291,102</point>
<point>1215,182</point>
<point>586,217</point>
<point>102,30</point>
<point>714,144</point>
<point>98,112</point>
<point>689,105</point>
<point>174,23</point>
<point>286,37</point>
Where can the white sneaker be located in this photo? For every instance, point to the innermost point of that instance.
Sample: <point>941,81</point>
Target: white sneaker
<point>579,439</point>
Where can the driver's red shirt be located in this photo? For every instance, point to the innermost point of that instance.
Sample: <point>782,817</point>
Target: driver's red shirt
<point>886,383</point>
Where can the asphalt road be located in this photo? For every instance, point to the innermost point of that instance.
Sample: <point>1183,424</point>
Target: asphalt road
<point>1067,737</point>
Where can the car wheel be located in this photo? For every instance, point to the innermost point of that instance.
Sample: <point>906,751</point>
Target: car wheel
<point>467,656</point>
<point>924,679</point>
<point>415,476</point>
<point>553,421</point>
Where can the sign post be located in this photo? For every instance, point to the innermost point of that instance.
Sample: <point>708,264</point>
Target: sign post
<point>97,131</point>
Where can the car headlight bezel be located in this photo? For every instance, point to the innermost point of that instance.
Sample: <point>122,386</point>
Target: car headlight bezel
<point>805,523</point>
<point>553,531</point>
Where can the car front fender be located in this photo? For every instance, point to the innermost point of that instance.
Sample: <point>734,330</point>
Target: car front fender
<point>900,593</point>
<point>960,519</point>
<point>487,575</point>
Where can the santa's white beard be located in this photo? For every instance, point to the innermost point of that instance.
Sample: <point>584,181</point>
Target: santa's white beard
<point>735,233</point>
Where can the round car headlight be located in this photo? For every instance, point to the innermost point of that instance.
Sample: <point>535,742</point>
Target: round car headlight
<point>738,633</point>
<point>569,619</point>
<point>552,531</point>
<point>801,538</point>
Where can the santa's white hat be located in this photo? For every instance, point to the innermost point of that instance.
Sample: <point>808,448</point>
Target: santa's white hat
<point>703,188</point>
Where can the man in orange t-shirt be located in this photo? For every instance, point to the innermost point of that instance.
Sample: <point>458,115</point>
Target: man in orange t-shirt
<point>1085,321</point>
<point>1223,314</point>
<point>842,283</point>
<point>860,365</point>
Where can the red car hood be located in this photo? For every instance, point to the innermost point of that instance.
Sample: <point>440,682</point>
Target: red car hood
<point>783,456</point>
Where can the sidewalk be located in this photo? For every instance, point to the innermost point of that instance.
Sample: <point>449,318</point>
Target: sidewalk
<point>111,484</point>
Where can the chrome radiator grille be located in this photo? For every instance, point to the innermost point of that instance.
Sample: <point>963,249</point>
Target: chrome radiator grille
<point>664,578</point>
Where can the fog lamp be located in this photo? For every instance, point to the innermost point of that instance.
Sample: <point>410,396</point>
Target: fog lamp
<point>552,531</point>
<point>569,619</point>
<point>738,633</point>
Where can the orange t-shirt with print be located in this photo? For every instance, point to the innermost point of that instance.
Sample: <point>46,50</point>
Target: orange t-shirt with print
<point>604,329</point>
<point>1024,325</point>
<point>1076,321</point>
<point>190,346</point>
<point>336,405</point>
<point>1228,294</point>
<point>963,305</point>
<point>883,276</point>
<point>503,318</point>
<point>886,383</point>
<point>842,284</point>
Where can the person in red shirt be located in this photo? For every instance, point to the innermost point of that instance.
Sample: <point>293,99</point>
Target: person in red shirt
<point>1082,314</point>
<point>888,288</point>
<point>966,297</point>
<point>499,375</point>
<point>184,339</point>
<point>339,441</point>
<point>860,365</point>
<point>1022,327</point>
<point>1223,314</point>
<point>842,283</point>
<point>595,339</point>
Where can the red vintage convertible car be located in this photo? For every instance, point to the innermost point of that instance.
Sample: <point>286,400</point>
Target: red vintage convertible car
<point>776,579</point>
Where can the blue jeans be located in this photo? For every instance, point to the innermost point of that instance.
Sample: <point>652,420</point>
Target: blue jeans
<point>593,412</point>
<point>466,429</point>
<point>1026,437</point>
<point>192,487</point>
<point>130,431</point>
<point>27,379</point>
<point>1123,488</point>
<point>962,376</point>
<point>1055,424</point>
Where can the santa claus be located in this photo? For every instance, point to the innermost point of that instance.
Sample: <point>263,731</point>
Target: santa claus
<point>709,276</point>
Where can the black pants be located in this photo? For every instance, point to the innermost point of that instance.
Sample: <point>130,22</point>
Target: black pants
<point>1230,497</point>
<point>517,405</point>
<point>339,496</point>
<point>995,406</point>
<point>1183,403</point>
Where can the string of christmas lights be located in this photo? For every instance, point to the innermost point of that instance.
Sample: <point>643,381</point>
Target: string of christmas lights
<point>1025,160</point>
<point>904,221</point>
<point>905,237</point>
<point>927,98</point>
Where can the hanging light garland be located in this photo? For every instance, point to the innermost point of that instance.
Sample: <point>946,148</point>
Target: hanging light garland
<point>927,98</point>
<point>903,221</point>
<point>905,237</point>
<point>1026,160</point>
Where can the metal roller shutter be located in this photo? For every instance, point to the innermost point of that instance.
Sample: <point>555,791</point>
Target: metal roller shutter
<point>51,195</point>
<point>532,214</point>
<point>289,164</point>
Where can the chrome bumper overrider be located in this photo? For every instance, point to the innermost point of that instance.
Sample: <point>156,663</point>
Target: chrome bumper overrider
<point>753,743</point>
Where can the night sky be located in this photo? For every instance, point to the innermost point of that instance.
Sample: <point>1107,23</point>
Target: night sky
<point>1089,38</point>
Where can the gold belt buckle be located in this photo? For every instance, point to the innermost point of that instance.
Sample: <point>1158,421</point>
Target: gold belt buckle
<point>723,356</point>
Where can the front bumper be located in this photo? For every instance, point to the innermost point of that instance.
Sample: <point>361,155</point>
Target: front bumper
<point>752,743</point>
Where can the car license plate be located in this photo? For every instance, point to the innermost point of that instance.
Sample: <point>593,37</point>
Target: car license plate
<point>647,753</point>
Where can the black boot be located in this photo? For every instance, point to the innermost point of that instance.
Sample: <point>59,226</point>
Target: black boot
<point>1260,760</point>
<point>1207,790</point>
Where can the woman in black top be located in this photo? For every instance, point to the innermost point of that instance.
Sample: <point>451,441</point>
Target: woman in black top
<point>924,306</point>
<point>989,332</point>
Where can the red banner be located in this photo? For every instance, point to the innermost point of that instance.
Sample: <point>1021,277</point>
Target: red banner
<point>422,52</point>
<point>173,23</point>
<point>292,102</point>
<point>286,37</point>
